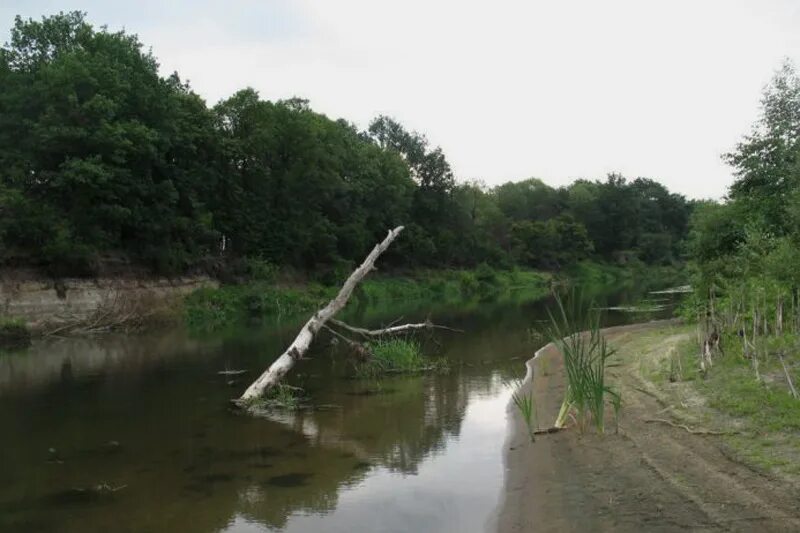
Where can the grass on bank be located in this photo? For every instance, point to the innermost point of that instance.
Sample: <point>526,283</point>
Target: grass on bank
<point>14,334</point>
<point>730,395</point>
<point>526,405</point>
<point>397,356</point>
<point>210,309</point>
<point>282,397</point>
<point>762,401</point>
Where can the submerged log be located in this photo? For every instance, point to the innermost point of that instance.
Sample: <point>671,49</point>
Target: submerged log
<point>302,342</point>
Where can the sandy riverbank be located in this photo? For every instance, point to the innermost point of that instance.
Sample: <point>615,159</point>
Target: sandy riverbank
<point>648,477</point>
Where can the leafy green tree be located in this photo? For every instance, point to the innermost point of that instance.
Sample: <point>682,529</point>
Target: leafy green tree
<point>529,199</point>
<point>102,160</point>
<point>433,198</point>
<point>302,189</point>
<point>553,244</point>
<point>105,155</point>
<point>766,161</point>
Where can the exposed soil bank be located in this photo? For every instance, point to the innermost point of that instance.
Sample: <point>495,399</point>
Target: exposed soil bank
<point>41,301</point>
<point>648,477</point>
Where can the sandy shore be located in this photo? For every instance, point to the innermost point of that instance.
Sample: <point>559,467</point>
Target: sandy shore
<point>646,477</point>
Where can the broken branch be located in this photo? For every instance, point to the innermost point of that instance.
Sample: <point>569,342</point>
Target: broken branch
<point>393,330</point>
<point>687,428</point>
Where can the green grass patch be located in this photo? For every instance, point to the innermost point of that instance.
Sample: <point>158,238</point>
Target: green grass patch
<point>210,309</point>
<point>450,285</point>
<point>397,356</point>
<point>14,334</point>
<point>282,396</point>
<point>593,274</point>
<point>732,387</point>
<point>679,364</point>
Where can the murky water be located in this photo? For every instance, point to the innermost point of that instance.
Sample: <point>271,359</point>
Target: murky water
<point>145,419</point>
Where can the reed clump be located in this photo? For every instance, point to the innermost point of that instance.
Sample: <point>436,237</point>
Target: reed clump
<point>574,328</point>
<point>397,356</point>
<point>526,405</point>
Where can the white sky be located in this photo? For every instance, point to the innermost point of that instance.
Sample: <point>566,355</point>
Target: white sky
<point>510,89</point>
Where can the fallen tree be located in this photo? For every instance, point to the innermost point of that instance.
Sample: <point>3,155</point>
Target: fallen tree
<point>297,349</point>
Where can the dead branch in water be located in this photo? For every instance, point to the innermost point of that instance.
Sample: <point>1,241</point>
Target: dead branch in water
<point>392,330</point>
<point>687,428</point>
<point>298,348</point>
<point>302,342</point>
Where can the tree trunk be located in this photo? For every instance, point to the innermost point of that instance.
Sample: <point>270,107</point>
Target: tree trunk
<point>301,343</point>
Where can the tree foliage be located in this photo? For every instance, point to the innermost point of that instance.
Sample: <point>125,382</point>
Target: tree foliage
<point>103,160</point>
<point>746,249</point>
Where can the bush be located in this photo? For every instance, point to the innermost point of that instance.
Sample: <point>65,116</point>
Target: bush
<point>14,334</point>
<point>468,283</point>
<point>401,356</point>
<point>486,274</point>
<point>210,309</point>
<point>260,270</point>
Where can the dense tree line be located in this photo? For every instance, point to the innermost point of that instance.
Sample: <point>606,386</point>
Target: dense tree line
<point>103,160</point>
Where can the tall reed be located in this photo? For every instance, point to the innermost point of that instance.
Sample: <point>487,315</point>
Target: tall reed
<point>526,406</point>
<point>575,329</point>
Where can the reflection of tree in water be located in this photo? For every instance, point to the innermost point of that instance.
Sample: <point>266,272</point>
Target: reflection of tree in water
<point>397,430</point>
<point>190,465</point>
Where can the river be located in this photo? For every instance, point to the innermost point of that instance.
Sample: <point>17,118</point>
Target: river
<point>147,419</point>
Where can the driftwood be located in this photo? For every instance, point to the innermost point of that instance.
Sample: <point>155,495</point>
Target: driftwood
<point>302,342</point>
<point>232,372</point>
<point>547,431</point>
<point>687,428</point>
<point>392,330</point>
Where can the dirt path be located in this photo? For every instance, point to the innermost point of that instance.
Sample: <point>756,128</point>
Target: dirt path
<point>649,477</point>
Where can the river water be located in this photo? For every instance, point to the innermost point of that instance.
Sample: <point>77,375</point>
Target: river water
<point>146,418</point>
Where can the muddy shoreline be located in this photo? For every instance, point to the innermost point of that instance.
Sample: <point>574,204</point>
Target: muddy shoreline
<point>646,477</point>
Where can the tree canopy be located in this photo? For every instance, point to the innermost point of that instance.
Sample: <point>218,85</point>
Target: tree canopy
<point>104,160</point>
<point>753,239</point>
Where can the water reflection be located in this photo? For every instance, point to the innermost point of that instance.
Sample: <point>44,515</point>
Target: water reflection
<point>149,416</point>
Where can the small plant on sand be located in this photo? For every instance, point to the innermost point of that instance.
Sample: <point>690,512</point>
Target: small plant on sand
<point>396,356</point>
<point>526,405</point>
<point>575,329</point>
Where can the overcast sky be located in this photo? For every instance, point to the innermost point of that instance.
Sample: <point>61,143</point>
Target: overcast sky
<point>509,89</point>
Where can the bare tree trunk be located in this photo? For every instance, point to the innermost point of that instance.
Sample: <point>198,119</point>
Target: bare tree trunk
<point>301,343</point>
<point>788,377</point>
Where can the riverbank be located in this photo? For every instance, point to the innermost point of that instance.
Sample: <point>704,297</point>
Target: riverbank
<point>46,305</point>
<point>666,468</point>
<point>69,306</point>
<point>213,309</point>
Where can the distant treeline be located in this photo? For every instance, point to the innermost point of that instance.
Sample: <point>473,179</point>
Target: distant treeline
<point>103,160</point>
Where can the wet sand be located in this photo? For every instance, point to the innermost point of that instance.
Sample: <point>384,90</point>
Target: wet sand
<point>646,477</point>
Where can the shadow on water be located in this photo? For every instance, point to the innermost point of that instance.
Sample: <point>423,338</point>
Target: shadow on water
<point>149,414</point>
